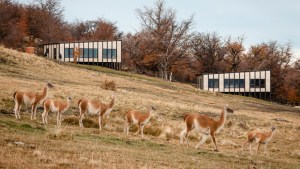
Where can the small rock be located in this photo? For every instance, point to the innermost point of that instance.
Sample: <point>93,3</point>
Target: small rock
<point>19,143</point>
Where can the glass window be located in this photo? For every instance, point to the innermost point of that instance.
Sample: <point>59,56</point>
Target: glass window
<point>226,83</point>
<point>88,52</point>
<point>69,52</point>
<point>213,83</point>
<point>242,83</point>
<point>252,83</point>
<point>257,83</point>
<point>93,53</point>
<point>262,83</point>
<point>234,83</point>
<point>109,53</point>
<point>231,83</point>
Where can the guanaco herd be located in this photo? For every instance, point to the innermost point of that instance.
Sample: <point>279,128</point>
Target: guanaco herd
<point>202,123</point>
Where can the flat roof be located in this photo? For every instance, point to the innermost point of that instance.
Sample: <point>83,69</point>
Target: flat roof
<point>55,43</point>
<point>231,72</point>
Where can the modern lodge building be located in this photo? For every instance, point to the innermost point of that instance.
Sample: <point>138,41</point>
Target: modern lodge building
<point>256,84</point>
<point>103,53</point>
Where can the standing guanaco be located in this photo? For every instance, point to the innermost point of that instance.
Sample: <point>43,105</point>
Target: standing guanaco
<point>260,138</point>
<point>56,106</point>
<point>30,98</point>
<point>94,107</point>
<point>204,124</point>
<point>135,117</point>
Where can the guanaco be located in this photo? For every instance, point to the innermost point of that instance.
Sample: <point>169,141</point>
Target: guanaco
<point>260,138</point>
<point>30,98</point>
<point>136,117</point>
<point>94,107</point>
<point>56,106</point>
<point>205,124</point>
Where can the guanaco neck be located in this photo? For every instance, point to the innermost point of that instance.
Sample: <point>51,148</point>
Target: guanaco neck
<point>148,114</point>
<point>68,102</point>
<point>44,94</point>
<point>222,119</point>
<point>112,102</point>
<point>269,134</point>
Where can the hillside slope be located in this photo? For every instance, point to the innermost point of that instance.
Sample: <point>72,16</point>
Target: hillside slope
<point>29,144</point>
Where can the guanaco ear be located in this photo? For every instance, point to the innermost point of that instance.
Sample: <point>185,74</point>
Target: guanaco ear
<point>229,110</point>
<point>113,95</point>
<point>152,107</point>
<point>49,84</point>
<point>273,128</point>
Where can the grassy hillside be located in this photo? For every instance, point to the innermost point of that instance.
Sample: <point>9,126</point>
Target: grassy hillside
<point>29,144</point>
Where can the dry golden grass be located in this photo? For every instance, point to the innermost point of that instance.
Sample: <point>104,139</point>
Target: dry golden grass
<point>29,144</point>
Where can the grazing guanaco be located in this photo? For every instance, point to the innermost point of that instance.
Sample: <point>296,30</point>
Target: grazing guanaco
<point>204,124</point>
<point>260,138</point>
<point>56,106</point>
<point>135,117</point>
<point>30,98</point>
<point>94,107</point>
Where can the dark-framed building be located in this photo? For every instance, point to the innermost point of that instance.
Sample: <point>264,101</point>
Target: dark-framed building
<point>102,53</point>
<point>256,84</point>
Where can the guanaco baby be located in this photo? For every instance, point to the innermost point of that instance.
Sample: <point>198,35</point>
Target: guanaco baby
<point>260,138</point>
<point>56,106</point>
<point>135,117</point>
<point>30,98</point>
<point>204,124</point>
<point>94,107</point>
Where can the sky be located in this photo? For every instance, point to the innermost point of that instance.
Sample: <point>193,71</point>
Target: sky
<point>257,20</point>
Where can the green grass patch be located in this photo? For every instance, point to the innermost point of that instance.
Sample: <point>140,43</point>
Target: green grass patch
<point>113,140</point>
<point>23,127</point>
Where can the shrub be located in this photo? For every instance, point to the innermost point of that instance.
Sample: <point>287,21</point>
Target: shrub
<point>109,85</point>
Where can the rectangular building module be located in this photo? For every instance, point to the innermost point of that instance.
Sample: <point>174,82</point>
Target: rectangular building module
<point>256,83</point>
<point>103,53</point>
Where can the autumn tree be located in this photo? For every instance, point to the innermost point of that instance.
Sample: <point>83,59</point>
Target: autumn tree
<point>140,56</point>
<point>50,23</point>
<point>297,65</point>
<point>12,27</point>
<point>234,52</point>
<point>169,38</point>
<point>209,49</point>
<point>274,57</point>
<point>95,30</point>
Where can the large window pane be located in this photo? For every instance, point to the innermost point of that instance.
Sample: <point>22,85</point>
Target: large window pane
<point>236,83</point>
<point>92,53</point>
<point>262,83</point>
<point>226,83</point>
<point>85,52</point>
<point>69,52</point>
<point>109,53</point>
<point>252,83</point>
<point>231,83</point>
<point>257,83</point>
<point>88,52</point>
<point>213,83</point>
<point>242,83</point>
